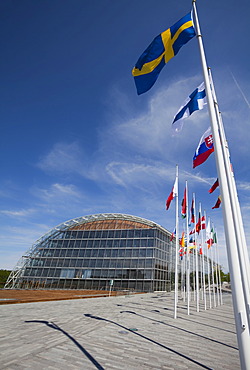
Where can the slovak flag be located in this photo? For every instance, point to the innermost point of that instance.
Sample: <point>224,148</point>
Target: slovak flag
<point>172,195</point>
<point>204,149</point>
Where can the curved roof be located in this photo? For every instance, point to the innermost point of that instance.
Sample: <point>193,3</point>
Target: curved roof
<point>76,222</point>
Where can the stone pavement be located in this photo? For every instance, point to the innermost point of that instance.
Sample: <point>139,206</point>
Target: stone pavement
<point>126,332</point>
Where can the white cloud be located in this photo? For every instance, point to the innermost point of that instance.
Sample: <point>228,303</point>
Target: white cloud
<point>19,213</point>
<point>57,191</point>
<point>244,185</point>
<point>63,158</point>
<point>150,131</point>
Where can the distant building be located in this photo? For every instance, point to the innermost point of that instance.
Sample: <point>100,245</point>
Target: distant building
<point>95,251</point>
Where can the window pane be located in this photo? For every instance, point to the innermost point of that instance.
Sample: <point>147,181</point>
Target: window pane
<point>69,253</point>
<point>94,252</point>
<point>124,234</point>
<point>86,274</point>
<point>111,234</point>
<point>87,253</point>
<point>121,252</point>
<point>98,263</point>
<point>75,252</point>
<point>81,253</point>
<point>114,253</point>
<point>142,252</point>
<point>106,263</point>
<point>67,273</point>
<point>117,233</point>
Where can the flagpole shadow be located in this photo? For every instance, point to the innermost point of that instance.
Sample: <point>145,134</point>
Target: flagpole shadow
<point>184,330</point>
<point>54,326</point>
<point>182,318</point>
<point>148,339</point>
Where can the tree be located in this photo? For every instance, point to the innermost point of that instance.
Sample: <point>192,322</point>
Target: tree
<point>4,274</point>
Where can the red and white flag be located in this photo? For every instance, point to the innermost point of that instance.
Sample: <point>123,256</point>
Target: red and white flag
<point>172,195</point>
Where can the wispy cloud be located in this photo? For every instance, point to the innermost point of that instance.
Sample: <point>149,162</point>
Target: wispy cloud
<point>149,132</point>
<point>240,90</point>
<point>56,191</point>
<point>63,158</point>
<point>18,213</point>
<point>244,185</point>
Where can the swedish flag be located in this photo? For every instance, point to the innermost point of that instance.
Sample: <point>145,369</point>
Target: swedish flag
<point>164,47</point>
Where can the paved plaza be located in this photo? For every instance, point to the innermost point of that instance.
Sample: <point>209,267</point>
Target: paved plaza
<point>125,332</point>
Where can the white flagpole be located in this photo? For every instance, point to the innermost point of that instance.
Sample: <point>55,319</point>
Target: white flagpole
<point>188,256</point>
<point>240,234</point>
<point>183,263</point>
<point>240,314</point>
<point>208,262</point>
<point>216,272</point>
<point>176,246</point>
<point>216,248</point>
<point>194,284</point>
<point>203,265</point>
<point>196,267</point>
<point>213,283</point>
<point>181,251</point>
<point>194,252</point>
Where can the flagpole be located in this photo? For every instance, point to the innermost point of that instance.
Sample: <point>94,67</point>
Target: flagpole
<point>241,321</point>
<point>203,266</point>
<point>216,273</point>
<point>240,234</point>
<point>181,261</point>
<point>182,273</point>
<point>194,252</point>
<point>212,256</point>
<point>216,248</point>
<point>176,246</point>
<point>196,267</point>
<point>188,256</point>
<point>208,234</point>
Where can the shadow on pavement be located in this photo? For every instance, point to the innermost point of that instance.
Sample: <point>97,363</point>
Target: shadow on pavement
<point>182,318</point>
<point>176,327</point>
<point>54,326</point>
<point>150,340</point>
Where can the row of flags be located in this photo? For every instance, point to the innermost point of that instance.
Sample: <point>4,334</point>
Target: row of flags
<point>173,194</point>
<point>147,69</point>
<point>198,226</point>
<point>210,237</point>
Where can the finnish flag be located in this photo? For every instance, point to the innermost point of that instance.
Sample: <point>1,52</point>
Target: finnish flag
<point>195,101</point>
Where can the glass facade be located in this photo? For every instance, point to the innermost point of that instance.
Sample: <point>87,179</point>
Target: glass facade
<point>95,251</point>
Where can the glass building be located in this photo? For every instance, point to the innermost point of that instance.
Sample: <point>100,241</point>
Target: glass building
<point>96,251</point>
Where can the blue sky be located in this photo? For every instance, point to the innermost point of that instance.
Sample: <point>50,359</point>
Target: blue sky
<point>75,137</point>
